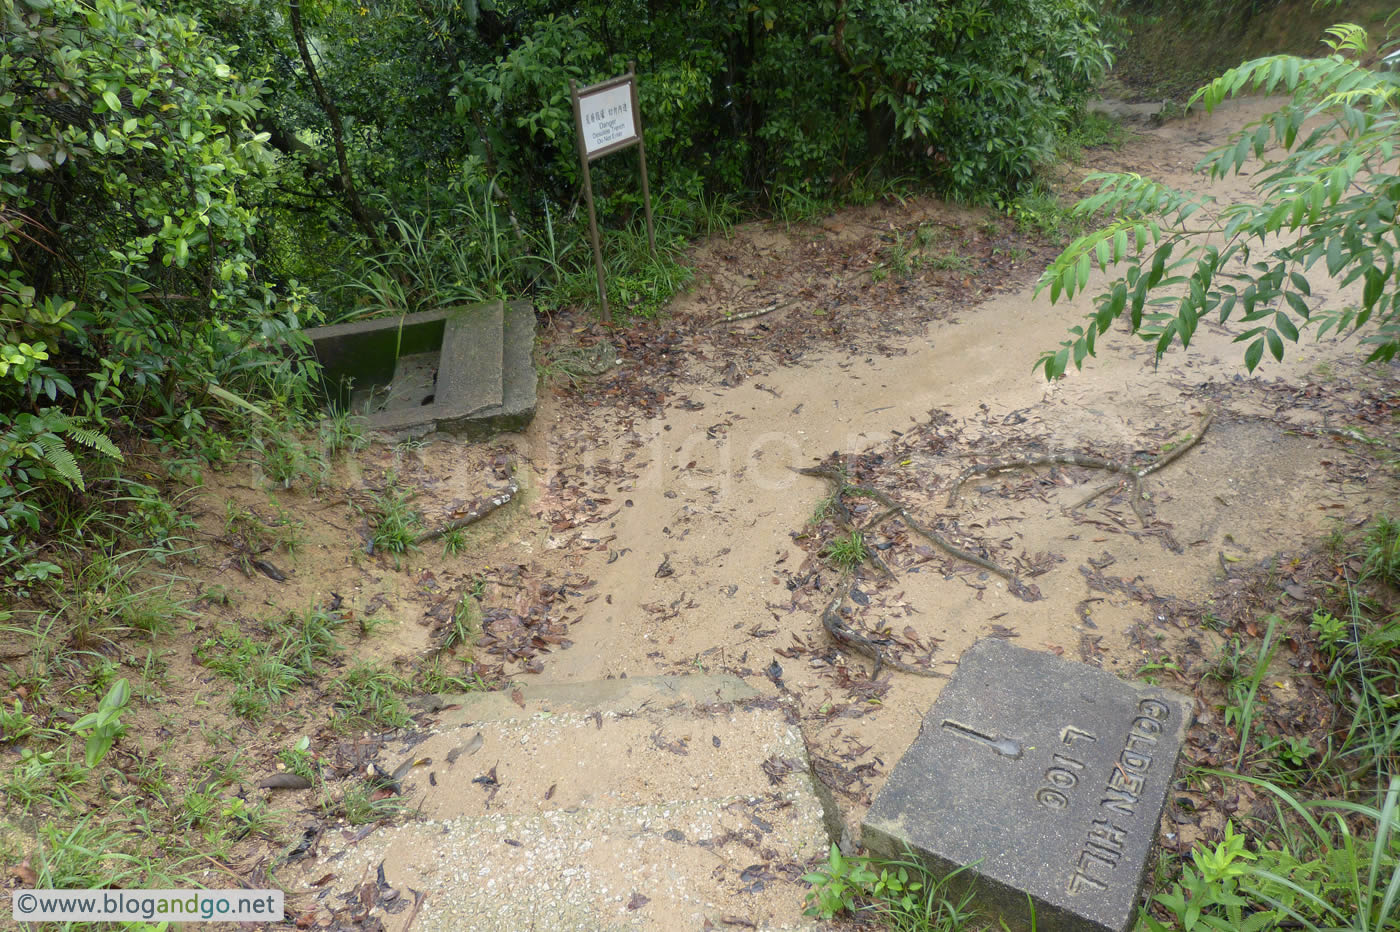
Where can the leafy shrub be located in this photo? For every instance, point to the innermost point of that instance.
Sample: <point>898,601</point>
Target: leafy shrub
<point>977,89</point>
<point>1322,201</point>
<point>800,94</point>
<point>1332,865</point>
<point>127,286</point>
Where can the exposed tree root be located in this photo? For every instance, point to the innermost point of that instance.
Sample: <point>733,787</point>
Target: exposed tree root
<point>836,478</point>
<point>497,501</point>
<point>875,649</point>
<point>1130,474</point>
<point>832,621</point>
<point>843,634</point>
<point>1179,447</point>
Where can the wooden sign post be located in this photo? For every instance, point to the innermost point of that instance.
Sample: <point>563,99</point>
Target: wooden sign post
<point>608,120</point>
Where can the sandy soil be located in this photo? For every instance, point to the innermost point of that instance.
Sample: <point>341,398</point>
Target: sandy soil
<point>707,527</point>
<point>661,528</point>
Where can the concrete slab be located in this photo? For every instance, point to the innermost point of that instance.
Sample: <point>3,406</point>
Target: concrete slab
<point>620,697</point>
<point>686,864</point>
<point>366,353</point>
<point>520,380</point>
<point>463,369</point>
<point>611,760</point>
<point>1045,778</point>
<point>623,804</point>
<point>470,373</point>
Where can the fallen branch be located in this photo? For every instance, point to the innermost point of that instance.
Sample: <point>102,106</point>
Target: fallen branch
<point>418,898</point>
<point>1093,495</point>
<point>750,315</point>
<point>490,505</point>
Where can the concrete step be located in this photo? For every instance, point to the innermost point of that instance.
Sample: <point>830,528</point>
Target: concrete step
<point>648,803</point>
<point>519,380</point>
<point>470,373</point>
<point>464,369</point>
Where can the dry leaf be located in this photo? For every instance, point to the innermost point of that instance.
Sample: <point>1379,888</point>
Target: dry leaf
<point>24,874</point>
<point>285,781</point>
<point>470,748</point>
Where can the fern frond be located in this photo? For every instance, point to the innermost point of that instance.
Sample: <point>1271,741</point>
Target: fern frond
<point>60,459</point>
<point>1346,37</point>
<point>94,440</point>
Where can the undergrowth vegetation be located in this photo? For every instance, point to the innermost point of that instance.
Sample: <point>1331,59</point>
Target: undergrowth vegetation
<point>1327,853</point>
<point>140,707</point>
<point>164,242</point>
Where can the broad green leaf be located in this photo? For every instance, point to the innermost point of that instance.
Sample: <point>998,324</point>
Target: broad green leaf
<point>1253,354</point>
<point>1375,282</point>
<point>238,400</point>
<point>1295,301</point>
<point>1335,260</point>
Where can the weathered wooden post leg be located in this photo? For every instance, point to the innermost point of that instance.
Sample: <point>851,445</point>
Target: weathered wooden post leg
<point>592,211</point>
<point>642,157</point>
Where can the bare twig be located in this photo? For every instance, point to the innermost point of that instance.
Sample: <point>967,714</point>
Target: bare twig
<point>418,898</point>
<point>499,500</point>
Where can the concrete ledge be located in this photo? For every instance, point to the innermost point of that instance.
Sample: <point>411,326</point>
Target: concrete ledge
<point>519,380</point>
<point>620,696</point>
<point>461,369</point>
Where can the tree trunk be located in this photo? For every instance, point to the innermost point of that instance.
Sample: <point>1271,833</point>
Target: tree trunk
<point>347,184</point>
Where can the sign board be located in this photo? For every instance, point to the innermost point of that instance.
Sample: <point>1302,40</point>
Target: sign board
<point>607,117</point>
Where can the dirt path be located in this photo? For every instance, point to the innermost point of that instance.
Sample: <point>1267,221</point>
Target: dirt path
<point>661,528</point>
<point>696,568</point>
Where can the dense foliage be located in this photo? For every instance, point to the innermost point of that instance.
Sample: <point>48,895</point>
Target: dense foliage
<point>1325,195</point>
<point>445,104</point>
<point>180,176</point>
<point>128,288</point>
